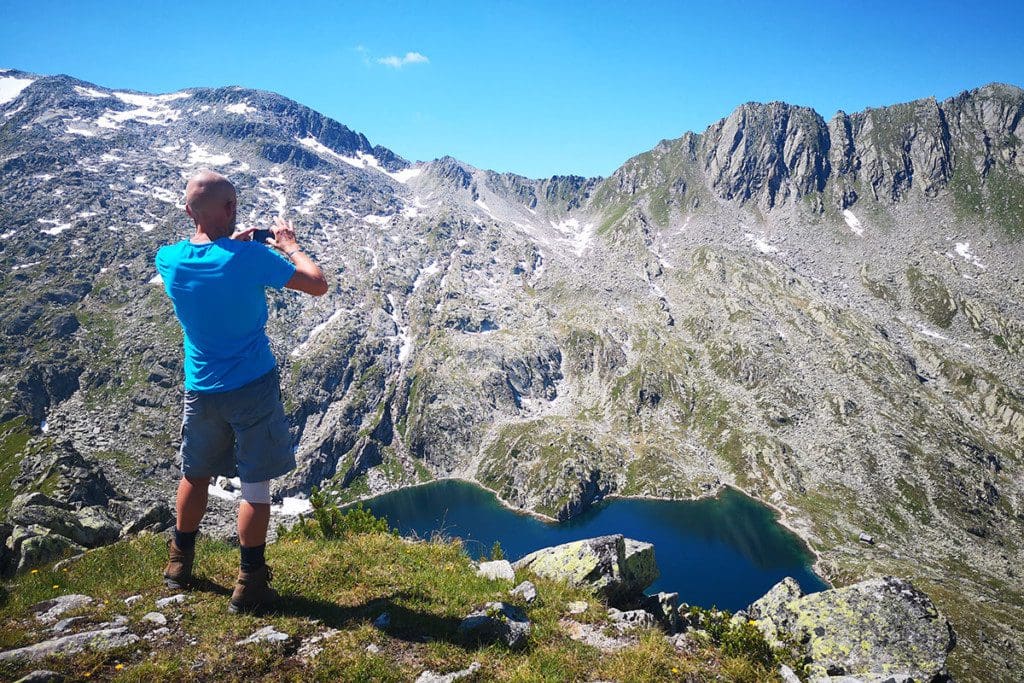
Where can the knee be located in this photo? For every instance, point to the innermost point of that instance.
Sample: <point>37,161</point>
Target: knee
<point>256,493</point>
<point>198,481</point>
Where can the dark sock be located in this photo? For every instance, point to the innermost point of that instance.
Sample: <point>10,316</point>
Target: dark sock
<point>252,558</point>
<point>185,540</point>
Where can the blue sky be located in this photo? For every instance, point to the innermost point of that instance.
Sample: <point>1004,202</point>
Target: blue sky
<point>538,88</point>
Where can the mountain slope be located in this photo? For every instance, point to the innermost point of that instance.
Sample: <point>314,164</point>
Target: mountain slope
<point>827,315</point>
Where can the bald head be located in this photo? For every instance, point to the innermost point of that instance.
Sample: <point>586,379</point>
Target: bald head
<point>210,200</point>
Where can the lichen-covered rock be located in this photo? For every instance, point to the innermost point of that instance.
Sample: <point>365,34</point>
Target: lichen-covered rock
<point>98,527</point>
<point>496,622</point>
<point>613,566</point>
<point>878,628</point>
<point>34,545</point>
<point>772,611</point>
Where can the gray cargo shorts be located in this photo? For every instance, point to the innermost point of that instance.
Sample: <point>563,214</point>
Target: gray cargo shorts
<point>241,432</point>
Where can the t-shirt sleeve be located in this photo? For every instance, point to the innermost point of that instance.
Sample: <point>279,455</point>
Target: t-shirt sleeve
<point>271,270</point>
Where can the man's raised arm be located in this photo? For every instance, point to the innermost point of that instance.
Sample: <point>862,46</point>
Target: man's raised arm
<point>308,277</point>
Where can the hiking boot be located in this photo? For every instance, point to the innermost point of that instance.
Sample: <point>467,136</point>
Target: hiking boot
<point>178,572</point>
<point>252,591</point>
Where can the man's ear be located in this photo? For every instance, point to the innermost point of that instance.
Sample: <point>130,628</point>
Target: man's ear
<point>188,210</point>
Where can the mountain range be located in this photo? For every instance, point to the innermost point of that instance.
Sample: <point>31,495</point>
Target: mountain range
<point>827,315</point>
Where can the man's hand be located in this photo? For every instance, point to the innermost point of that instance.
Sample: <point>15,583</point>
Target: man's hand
<point>244,235</point>
<point>284,236</point>
<point>308,277</point>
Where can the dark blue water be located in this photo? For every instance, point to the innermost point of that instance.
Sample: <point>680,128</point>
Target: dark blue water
<point>726,551</point>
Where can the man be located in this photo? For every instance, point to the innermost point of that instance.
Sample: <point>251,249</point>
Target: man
<point>234,420</point>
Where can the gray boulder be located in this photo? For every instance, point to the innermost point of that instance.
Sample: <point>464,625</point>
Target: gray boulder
<point>613,566</point>
<point>98,527</point>
<point>496,622</point>
<point>50,610</point>
<point>496,569</point>
<point>526,590</point>
<point>877,628</point>
<point>35,545</point>
<point>58,520</point>
<point>102,639</point>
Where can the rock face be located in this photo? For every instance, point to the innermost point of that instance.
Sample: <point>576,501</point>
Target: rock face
<point>877,628</point>
<point>615,567</point>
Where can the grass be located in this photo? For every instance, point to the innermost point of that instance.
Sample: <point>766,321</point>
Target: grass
<point>336,589</point>
<point>14,435</point>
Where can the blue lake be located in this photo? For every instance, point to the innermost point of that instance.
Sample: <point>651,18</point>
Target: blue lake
<point>725,551</point>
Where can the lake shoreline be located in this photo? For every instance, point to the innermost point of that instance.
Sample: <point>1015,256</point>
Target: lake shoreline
<point>778,513</point>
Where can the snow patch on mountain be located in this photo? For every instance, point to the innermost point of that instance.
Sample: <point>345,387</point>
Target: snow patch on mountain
<point>11,87</point>
<point>150,109</point>
<point>315,332</point>
<point>201,155</point>
<point>241,108</point>
<point>761,244</point>
<point>853,222</point>
<point>90,92</point>
<point>963,250</point>
<point>58,227</point>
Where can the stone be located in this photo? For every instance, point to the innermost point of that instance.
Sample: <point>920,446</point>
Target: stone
<point>41,676</point>
<point>33,499</point>
<point>156,618</point>
<point>429,676</point>
<point>577,607</point>
<point>877,627</point>
<point>101,639</point>
<point>98,527</point>
<point>496,569</point>
<point>496,622</point>
<point>526,590</point>
<point>51,610</point>
<point>634,618</point>
<point>382,621</point>
<point>58,520</point>
<point>665,609</point>
<point>372,648</point>
<point>267,634</point>
<point>132,599</point>
<point>64,624</point>
<point>614,567</point>
<point>788,675</point>
<point>866,538</point>
<point>595,635</point>
<point>155,517</point>
<point>172,600</point>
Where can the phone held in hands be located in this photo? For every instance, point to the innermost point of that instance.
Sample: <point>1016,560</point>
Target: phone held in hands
<point>262,236</point>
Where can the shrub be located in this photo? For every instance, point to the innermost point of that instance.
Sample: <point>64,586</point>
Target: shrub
<point>331,522</point>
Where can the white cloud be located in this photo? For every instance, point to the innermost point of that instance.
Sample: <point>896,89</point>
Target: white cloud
<point>398,62</point>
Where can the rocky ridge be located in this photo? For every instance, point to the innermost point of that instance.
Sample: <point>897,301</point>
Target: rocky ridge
<point>826,315</point>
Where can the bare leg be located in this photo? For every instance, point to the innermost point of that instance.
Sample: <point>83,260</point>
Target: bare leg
<point>191,502</point>
<point>253,520</point>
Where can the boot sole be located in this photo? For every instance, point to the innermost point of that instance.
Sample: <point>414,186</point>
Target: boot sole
<point>177,584</point>
<point>249,609</point>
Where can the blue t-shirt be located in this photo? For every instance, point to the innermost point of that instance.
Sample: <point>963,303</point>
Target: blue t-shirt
<point>217,289</point>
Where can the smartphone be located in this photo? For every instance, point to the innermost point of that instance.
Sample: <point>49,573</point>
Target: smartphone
<point>262,236</point>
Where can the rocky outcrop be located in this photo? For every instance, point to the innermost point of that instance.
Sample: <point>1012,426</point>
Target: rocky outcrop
<point>496,622</point>
<point>84,510</point>
<point>615,567</point>
<point>877,628</point>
